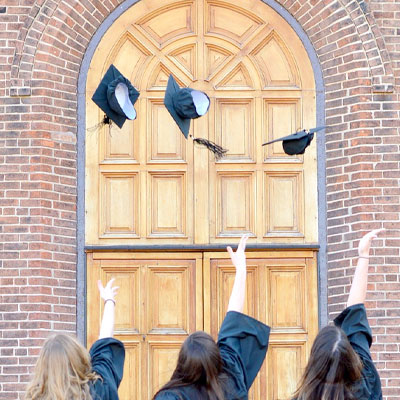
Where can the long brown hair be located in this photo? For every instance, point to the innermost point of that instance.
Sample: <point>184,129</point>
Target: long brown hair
<point>63,371</point>
<point>332,369</point>
<point>199,364</point>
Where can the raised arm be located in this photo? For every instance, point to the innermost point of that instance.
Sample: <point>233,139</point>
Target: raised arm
<point>358,288</point>
<point>107,293</point>
<point>236,301</point>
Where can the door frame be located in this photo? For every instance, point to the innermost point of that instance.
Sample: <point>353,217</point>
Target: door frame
<point>81,118</point>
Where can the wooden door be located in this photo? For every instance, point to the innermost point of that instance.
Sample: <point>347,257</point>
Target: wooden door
<point>164,297</point>
<point>160,302</point>
<point>147,185</point>
<point>281,292</point>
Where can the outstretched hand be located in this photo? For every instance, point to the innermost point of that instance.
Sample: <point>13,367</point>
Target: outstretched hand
<point>365,242</point>
<point>239,257</point>
<point>109,291</point>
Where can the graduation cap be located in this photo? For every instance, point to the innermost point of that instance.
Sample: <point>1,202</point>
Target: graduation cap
<point>116,96</point>
<point>296,143</point>
<point>185,104</point>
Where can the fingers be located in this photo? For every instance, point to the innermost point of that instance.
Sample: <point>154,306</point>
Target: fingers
<point>243,240</point>
<point>108,290</point>
<point>376,232</point>
<point>373,234</point>
<point>241,246</point>
<point>115,289</point>
<point>110,283</point>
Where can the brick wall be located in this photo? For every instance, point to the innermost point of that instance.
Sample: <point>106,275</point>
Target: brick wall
<point>42,43</point>
<point>37,262</point>
<point>387,17</point>
<point>37,205</point>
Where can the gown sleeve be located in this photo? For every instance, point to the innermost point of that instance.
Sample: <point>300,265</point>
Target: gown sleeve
<point>354,322</point>
<point>243,344</point>
<point>107,357</point>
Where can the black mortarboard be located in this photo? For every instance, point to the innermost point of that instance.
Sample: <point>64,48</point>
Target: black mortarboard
<point>116,96</point>
<point>296,143</point>
<point>185,104</point>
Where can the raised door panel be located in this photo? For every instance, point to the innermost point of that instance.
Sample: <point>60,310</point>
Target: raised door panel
<point>119,204</point>
<point>162,358</point>
<point>232,22</point>
<point>169,310</point>
<point>238,78</point>
<point>166,143</point>
<point>234,128</point>
<point>286,286</point>
<point>167,207</point>
<point>121,147</point>
<point>281,118</point>
<point>185,59</point>
<point>134,367</point>
<point>285,365</point>
<point>129,47</point>
<point>168,22</point>
<point>235,198</point>
<point>281,72</point>
<point>127,279</point>
<point>222,278</point>
<point>283,204</point>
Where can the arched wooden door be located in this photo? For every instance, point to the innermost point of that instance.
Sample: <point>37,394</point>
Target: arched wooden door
<point>146,185</point>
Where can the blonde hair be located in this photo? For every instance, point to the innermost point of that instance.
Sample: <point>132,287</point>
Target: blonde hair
<point>62,372</point>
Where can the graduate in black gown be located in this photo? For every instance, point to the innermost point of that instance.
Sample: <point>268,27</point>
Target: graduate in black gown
<point>340,365</point>
<point>224,370</point>
<point>66,371</point>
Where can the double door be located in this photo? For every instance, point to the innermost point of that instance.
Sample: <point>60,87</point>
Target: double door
<point>164,297</point>
<point>146,186</point>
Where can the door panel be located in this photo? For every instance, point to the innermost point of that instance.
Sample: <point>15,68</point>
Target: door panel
<point>287,361</point>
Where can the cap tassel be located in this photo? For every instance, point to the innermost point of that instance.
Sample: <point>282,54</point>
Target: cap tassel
<point>218,151</point>
<point>105,121</point>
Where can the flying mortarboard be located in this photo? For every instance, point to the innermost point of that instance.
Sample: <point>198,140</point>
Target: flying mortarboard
<point>116,96</point>
<point>185,104</point>
<point>296,143</point>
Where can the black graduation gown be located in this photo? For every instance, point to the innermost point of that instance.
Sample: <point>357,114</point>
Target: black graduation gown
<point>353,320</point>
<point>243,343</point>
<point>107,357</point>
